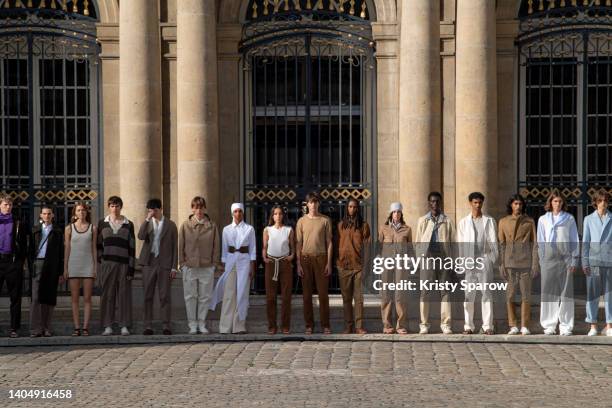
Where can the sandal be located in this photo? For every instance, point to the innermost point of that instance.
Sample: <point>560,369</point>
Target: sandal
<point>308,330</point>
<point>489,332</point>
<point>468,331</point>
<point>13,334</point>
<point>271,331</point>
<point>85,332</point>
<point>389,330</point>
<point>286,331</point>
<point>47,333</point>
<point>76,332</point>
<point>326,330</point>
<point>402,331</point>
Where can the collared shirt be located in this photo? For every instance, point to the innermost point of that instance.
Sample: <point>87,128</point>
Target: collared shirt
<point>116,225</point>
<point>44,240</point>
<point>238,235</point>
<point>157,228</point>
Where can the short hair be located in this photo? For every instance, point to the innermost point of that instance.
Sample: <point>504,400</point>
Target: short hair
<point>154,203</point>
<point>476,195</point>
<point>46,206</point>
<point>271,219</point>
<point>114,200</point>
<point>513,198</point>
<point>313,196</point>
<point>198,202</point>
<point>86,207</point>
<point>552,196</point>
<point>601,195</point>
<point>434,194</point>
<point>5,198</point>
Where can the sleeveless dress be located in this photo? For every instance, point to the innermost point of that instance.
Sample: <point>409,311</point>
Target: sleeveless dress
<point>80,262</point>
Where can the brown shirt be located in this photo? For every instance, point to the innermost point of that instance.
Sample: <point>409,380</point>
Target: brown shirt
<point>350,246</point>
<point>388,235</point>
<point>518,242</point>
<point>313,234</point>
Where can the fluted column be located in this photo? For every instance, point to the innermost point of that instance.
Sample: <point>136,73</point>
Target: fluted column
<point>476,109</point>
<point>197,107</point>
<point>419,109</point>
<point>140,106</point>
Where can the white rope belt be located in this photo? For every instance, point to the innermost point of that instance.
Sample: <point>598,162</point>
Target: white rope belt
<point>277,260</point>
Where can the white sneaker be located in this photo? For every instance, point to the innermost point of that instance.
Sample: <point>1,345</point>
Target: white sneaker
<point>107,331</point>
<point>593,332</point>
<point>566,333</point>
<point>514,330</point>
<point>549,332</point>
<point>203,330</point>
<point>424,329</point>
<point>608,332</point>
<point>193,330</point>
<point>525,331</point>
<point>125,331</point>
<point>446,330</point>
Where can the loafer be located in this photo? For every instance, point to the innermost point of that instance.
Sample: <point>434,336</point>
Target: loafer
<point>167,332</point>
<point>147,332</point>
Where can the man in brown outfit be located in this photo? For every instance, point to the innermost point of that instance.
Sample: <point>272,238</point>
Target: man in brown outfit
<point>159,260</point>
<point>519,259</point>
<point>353,233</point>
<point>314,260</point>
<point>199,254</point>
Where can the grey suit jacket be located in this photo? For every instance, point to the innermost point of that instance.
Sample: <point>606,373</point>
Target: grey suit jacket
<point>168,244</point>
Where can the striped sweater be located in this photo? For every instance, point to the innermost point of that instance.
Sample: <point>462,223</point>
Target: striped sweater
<point>119,247</point>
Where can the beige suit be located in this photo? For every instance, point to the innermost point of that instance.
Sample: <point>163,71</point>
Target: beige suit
<point>156,269</point>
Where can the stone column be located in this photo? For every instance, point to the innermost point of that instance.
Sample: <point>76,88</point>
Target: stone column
<point>197,108</point>
<point>419,106</point>
<point>476,103</point>
<point>140,106</point>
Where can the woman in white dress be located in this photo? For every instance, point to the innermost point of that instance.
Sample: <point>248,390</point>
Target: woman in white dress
<point>80,263</point>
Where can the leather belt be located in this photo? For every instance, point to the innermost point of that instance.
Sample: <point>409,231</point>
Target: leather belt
<point>242,249</point>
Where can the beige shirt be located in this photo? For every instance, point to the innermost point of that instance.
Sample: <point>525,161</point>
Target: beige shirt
<point>314,234</point>
<point>518,242</point>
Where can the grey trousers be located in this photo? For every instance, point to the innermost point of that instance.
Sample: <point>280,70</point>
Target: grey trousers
<point>115,288</point>
<point>153,275</point>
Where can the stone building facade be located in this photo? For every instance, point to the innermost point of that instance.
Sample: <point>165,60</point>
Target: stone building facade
<point>441,94</point>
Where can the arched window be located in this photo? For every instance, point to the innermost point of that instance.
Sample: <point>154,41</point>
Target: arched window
<point>309,94</point>
<point>49,104</point>
<point>565,103</point>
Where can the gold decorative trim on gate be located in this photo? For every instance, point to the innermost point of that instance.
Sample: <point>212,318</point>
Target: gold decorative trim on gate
<point>17,195</point>
<point>346,193</point>
<point>544,192</point>
<point>594,190</point>
<point>60,195</point>
<point>270,195</point>
<point>264,8</point>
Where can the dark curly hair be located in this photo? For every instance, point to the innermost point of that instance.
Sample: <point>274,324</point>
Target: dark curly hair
<point>515,197</point>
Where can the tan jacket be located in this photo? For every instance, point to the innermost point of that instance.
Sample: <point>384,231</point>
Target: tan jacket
<point>518,242</point>
<point>400,239</point>
<point>351,245</point>
<point>199,244</point>
<point>167,244</point>
<point>446,233</point>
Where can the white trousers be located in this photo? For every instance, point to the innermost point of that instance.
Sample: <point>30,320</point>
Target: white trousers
<point>486,301</point>
<point>557,304</point>
<point>198,286</point>
<point>229,321</point>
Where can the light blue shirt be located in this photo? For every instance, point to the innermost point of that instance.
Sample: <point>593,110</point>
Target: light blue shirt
<point>597,240</point>
<point>44,231</point>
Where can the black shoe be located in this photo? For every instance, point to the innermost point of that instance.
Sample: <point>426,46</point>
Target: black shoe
<point>167,332</point>
<point>147,332</point>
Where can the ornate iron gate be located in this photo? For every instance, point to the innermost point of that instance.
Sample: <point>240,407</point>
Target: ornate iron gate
<point>49,131</point>
<point>565,88</point>
<point>308,109</point>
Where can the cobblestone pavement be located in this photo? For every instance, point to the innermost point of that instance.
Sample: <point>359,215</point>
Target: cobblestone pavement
<point>313,374</point>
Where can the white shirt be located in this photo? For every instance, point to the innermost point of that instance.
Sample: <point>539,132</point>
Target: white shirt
<point>157,228</point>
<point>238,235</point>
<point>44,233</point>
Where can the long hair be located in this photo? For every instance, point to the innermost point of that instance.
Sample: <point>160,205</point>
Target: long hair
<point>515,197</point>
<point>357,221</point>
<point>552,196</point>
<point>86,207</point>
<point>390,217</point>
<point>271,218</point>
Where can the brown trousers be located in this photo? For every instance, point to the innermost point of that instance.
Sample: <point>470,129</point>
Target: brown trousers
<point>285,279</point>
<point>153,275</point>
<point>351,289</point>
<point>391,298</point>
<point>40,315</point>
<point>115,287</point>
<point>521,278</point>
<point>313,267</point>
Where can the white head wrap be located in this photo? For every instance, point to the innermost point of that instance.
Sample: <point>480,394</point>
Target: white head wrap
<point>397,206</point>
<point>237,206</point>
